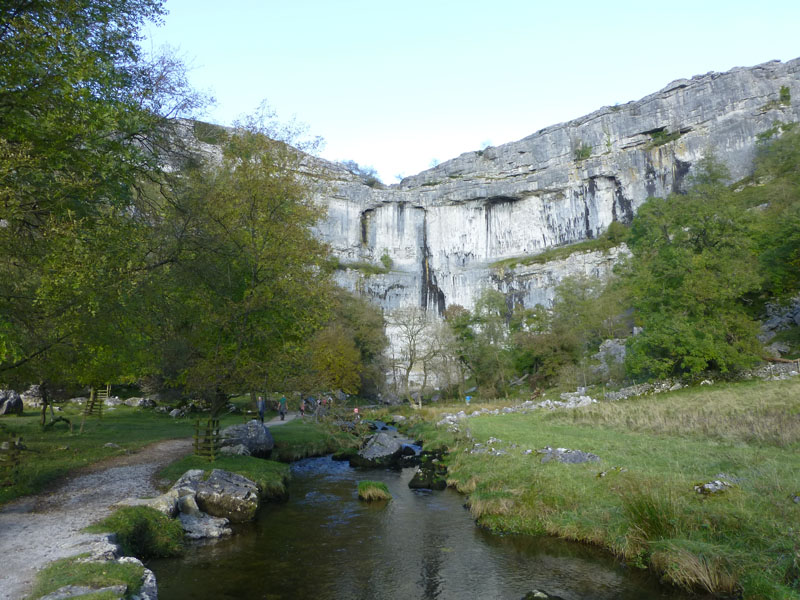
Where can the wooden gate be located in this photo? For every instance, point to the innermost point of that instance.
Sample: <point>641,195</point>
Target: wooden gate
<point>207,440</point>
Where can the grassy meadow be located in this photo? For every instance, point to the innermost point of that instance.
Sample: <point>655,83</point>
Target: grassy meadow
<point>639,501</point>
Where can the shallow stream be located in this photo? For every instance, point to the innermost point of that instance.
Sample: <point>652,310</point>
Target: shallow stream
<point>325,544</point>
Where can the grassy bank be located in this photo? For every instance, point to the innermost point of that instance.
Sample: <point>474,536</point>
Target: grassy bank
<point>302,438</point>
<point>643,507</point>
<point>270,476</point>
<point>54,452</point>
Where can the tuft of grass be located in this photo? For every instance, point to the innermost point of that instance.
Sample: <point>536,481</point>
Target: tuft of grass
<point>271,477</point>
<point>371,491</point>
<point>703,569</point>
<point>652,512</point>
<point>96,575</point>
<point>143,532</point>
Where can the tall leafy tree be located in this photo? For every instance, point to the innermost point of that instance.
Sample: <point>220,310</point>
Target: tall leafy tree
<point>83,124</point>
<point>693,263</point>
<point>248,290</point>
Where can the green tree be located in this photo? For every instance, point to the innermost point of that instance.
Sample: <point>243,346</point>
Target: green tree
<point>247,291</point>
<point>777,216</point>
<point>83,121</point>
<point>693,263</point>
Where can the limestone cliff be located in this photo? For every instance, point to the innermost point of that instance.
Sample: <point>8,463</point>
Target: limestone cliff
<point>443,229</point>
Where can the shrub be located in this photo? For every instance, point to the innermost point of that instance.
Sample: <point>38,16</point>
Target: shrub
<point>583,152</point>
<point>143,532</point>
<point>785,96</point>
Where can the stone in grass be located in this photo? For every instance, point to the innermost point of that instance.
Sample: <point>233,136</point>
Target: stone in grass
<point>713,487</point>
<point>565,455</point>
<point>370,491</point>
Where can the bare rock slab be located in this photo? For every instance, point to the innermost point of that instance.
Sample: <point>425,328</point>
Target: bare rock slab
<point>228,495</point>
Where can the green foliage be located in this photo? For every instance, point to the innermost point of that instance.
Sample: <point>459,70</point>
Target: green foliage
<point>335,359</point>
<point>386,260</point>
<point>210,133</point>
<point>246,294</point>
<point>347,352</point>
<point>143,532</point>
<point>96,575</point>
<point>367,268</point>
<point>73,161</point>
<point>582,152</point>
<point>662,136</point>
<point>785,96</point>
<point>693,263</point>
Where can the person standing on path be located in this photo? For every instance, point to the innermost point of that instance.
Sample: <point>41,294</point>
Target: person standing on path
<point>302,407</point>
<point>282,407</point>
<point>262,406</point>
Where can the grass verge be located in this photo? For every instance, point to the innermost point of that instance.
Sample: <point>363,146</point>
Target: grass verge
<point>270,476</point>
<point>371,491</point>
<point>95,575</point>
<point>639,501</point>
<point>54,452</point>
<point>143,532</point>
<point>302,438</point>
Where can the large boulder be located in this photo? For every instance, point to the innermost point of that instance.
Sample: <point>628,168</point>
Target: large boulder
<point>384,449</point>
<point>10,403</point>
<point>228,495</point>
<point>203,526</point>
<point>253,435</point>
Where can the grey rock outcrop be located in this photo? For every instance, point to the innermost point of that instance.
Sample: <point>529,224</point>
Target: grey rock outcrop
<point>253,435</point>
<point>203,526</point>
<point>228,495</point>
<point>10,403</point>
<point>445,229</point>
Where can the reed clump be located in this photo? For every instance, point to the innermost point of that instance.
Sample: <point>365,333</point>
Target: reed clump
<point>372,491</point>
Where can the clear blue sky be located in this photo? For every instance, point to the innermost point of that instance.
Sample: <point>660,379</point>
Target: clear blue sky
<point>396,85</point>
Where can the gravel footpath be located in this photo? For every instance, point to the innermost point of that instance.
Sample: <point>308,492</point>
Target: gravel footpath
<point>36,530</point>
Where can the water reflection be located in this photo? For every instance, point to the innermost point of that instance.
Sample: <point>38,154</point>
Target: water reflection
<point>326,544</point>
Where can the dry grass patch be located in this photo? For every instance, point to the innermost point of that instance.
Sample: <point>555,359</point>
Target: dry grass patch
<point>757,412</point>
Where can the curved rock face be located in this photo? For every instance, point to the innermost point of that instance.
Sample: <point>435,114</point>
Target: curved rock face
<point>443,229</point>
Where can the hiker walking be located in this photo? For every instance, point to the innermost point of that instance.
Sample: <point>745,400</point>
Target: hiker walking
<point>262,406</point>
<point>282,407</point>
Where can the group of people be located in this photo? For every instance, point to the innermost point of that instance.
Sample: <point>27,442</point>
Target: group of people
<point>261,405</point>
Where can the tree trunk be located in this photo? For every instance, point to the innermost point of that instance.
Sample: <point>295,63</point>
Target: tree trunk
<point>45,400</point>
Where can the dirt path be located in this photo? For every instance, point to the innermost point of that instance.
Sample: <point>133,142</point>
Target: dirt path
<point>275,421</point>
<point>39,529</point>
